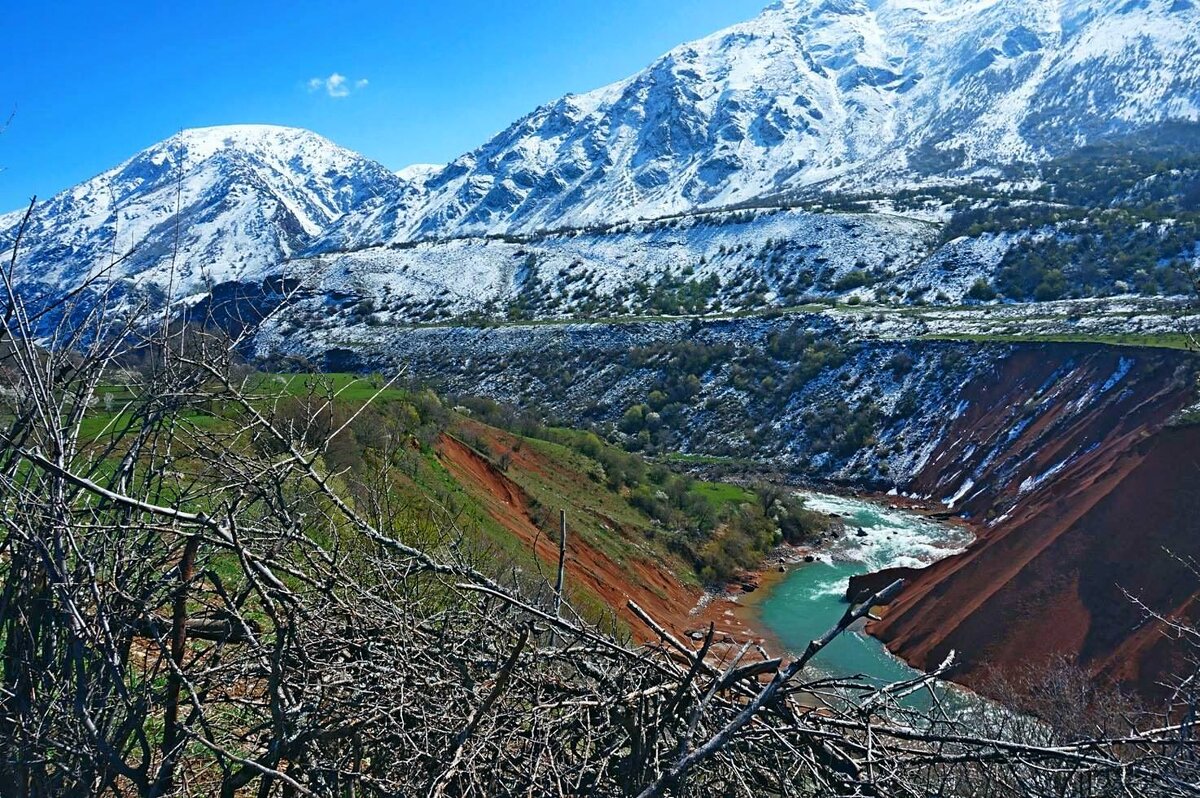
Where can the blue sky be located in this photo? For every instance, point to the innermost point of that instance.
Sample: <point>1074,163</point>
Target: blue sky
<point>90,83</point>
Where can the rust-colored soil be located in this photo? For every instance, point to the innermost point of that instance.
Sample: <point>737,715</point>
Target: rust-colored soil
<point>1081,496</point>
<point>1050,575</point>
<point>651,585</point>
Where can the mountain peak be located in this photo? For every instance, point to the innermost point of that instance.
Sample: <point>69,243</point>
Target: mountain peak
<point>241,198</point>
<point>263,142</point>
<point>419,172</point>
<point>836,93</point>
<point>808,96</point>
<point>242,134</point>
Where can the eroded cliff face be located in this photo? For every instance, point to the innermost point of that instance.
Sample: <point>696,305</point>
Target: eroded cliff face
<point>1081,479</point>
<point>1042,415</point>
<point>1091,510</point>
<point>1062,456</point>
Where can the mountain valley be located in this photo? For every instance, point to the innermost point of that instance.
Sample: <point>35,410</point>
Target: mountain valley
<point>939,251</point>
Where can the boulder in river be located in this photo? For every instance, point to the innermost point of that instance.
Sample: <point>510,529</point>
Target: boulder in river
<point>862,533</point>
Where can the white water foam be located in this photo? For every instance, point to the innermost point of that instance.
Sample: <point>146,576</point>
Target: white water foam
<point>894,539</point>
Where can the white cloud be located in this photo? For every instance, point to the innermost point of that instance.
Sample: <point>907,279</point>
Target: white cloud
<point>336,85</point>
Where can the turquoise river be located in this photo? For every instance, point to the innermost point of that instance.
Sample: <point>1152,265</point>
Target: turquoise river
<point>809,600</point>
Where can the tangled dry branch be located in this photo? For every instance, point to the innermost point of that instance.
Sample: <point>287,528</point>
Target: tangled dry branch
<point>191,609</point>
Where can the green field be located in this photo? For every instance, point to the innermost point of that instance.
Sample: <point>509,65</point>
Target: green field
<point>721,494</point>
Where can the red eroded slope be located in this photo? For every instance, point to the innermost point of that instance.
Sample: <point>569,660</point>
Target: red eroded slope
<point>649,584</point>
<point>1088,496</point>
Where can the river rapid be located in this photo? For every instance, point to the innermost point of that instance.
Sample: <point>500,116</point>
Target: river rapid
<point>810,599</point>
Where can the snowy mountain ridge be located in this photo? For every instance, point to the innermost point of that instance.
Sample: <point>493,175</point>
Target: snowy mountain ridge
<point>810,96</point>
<point>248,196</point>
<point>837,93</point>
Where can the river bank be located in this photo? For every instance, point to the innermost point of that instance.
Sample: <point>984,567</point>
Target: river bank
<point>801,591</point>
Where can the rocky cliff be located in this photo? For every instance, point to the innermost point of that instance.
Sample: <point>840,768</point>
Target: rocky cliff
<point>1061,572</point>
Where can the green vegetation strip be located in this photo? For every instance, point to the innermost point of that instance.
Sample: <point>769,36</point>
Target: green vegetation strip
<point>1177,341</point>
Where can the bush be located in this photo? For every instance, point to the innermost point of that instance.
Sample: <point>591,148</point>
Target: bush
<point>982,291</point>
<point>853,280</point>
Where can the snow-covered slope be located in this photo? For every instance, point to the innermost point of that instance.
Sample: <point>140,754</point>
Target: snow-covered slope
<point>248,197</point>
<point>420,173</point>
<point>811,95</point>
<point>844,93</point>
<point>708,263</point>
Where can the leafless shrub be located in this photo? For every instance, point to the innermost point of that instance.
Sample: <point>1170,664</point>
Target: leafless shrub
<point>197,608</point>
<point>1063,700</point>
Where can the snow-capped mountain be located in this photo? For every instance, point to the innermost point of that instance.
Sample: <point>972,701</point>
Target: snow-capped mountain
<point>811,95</point>
<point>387,219</point>
<point>420,173</point>
<point>840,93</point>
<point>248,197</point>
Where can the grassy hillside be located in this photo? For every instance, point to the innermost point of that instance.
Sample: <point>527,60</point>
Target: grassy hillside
<point>480,476</point>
